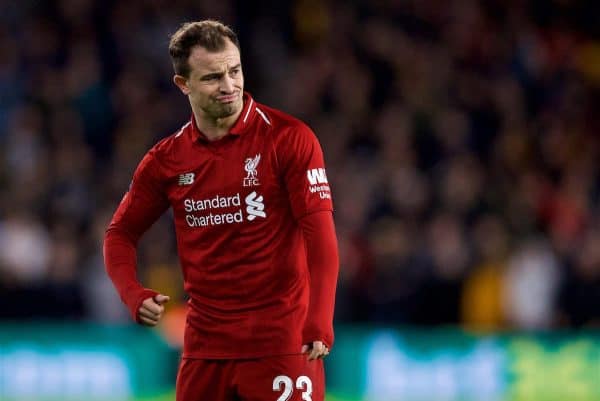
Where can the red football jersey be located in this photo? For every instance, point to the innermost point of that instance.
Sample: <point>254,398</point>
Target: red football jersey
<point>236,204</point>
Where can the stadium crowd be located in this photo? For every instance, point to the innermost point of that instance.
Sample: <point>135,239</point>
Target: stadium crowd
<point>462,145</point>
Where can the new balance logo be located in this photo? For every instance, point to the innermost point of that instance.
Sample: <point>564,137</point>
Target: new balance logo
<point>255,206</point>
<point>316,176</point>
<point>186,179</point>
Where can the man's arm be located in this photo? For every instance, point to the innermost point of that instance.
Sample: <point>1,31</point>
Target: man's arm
<point>138,210</point>
<point>302,166</point>
<point>323,264</point>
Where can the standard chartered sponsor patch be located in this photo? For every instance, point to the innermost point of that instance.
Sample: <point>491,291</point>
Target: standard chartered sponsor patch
<point>202,213</point>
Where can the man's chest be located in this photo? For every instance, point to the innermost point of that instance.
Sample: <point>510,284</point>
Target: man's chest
<point>226,184</point>
<point>209,171</point>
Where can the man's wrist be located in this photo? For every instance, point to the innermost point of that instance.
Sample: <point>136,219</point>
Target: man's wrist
<point>134,308</point>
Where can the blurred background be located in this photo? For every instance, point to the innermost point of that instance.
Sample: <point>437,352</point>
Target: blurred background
<point>461,141</point>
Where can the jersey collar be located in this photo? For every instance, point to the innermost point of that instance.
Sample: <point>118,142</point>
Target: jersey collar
<point>246,116</point>
<point>241,125</point>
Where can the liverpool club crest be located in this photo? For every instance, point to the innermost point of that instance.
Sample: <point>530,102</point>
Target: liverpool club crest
<point>250,165</point>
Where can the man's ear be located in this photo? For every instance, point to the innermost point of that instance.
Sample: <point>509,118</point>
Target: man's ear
<point>181,83</point>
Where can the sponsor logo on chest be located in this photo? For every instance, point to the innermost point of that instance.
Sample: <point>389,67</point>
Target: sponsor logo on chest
<point>205,212</point>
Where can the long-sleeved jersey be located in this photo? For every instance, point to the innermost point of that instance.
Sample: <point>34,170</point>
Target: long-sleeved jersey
<point>255,235</point>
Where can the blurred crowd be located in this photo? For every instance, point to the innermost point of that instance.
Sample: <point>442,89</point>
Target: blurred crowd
<point>461,138</point>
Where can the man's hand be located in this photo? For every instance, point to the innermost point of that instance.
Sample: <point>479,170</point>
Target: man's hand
<point>152,309</point>
<point>316,350</point>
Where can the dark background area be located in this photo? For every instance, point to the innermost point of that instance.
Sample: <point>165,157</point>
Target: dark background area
<point>461,138</point>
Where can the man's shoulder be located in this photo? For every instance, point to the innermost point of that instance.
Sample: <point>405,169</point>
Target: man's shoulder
<point>165,155</point>
<point>167,145</point>
<point>282,122</point>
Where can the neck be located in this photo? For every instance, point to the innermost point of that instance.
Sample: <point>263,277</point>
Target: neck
<point>215,128</point>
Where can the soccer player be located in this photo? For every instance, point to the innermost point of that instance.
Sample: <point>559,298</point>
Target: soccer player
<point>255,233</point>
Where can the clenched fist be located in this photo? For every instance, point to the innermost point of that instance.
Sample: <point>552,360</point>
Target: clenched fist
<point>152,309</point>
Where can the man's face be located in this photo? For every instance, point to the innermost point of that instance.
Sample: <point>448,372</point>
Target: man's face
<point>216,82</point>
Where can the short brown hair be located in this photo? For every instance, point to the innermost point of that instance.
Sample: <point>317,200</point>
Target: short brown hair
<point>209,34</point>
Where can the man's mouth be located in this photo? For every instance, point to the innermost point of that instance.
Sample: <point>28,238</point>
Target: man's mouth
<point>227,98</point>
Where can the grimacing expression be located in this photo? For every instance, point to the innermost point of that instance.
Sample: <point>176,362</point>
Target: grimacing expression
<point>216,81</point>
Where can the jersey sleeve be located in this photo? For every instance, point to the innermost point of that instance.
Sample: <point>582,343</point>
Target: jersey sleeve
<point>310,199</point>
<point>141,206</point>
<point>323,264</point>
<point>301,159</point>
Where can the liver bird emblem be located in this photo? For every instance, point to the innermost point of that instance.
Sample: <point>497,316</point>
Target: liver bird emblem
<point>251,164</point>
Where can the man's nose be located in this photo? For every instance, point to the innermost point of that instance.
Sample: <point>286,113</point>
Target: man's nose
<point>226,84</point>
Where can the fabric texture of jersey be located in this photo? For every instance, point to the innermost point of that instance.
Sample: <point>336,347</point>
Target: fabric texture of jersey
<point>236,204</point>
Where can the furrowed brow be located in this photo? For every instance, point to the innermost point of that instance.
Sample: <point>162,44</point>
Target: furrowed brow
<point>213,75</point>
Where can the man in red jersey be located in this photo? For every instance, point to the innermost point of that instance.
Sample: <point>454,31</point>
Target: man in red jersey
<point>256,240</point>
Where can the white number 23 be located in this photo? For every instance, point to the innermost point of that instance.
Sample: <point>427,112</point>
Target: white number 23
<point>302,383</point>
